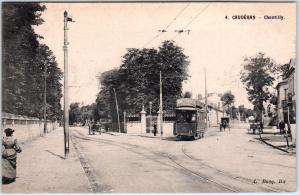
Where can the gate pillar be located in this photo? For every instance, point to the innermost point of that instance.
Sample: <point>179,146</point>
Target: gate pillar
<point>143,121</point>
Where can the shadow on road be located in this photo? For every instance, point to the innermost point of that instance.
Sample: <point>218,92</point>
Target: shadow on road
<point>178,139</point>
<point>55,154</point>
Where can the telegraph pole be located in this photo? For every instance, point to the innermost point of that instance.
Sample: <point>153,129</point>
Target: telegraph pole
<point>117,110</point>
<point>125,128</point>
<point>160,105</point>
<point>206,110</point>
<point>45,100</point>
<point>150,122</point>
<point>66,102</point>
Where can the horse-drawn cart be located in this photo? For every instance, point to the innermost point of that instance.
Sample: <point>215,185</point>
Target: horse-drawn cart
<point>225,123</point>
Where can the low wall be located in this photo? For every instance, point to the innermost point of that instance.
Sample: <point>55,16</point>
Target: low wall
<point>26,128</point>
<point>294,133</point>
<point>134,128</point>
<point>168,129</point>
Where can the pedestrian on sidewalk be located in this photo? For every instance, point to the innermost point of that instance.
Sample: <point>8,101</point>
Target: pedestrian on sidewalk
<point>10,148</point>
<point>282,127</point>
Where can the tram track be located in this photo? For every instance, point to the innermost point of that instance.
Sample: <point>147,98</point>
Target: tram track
<point>174,163</point>
<point>226,174</point>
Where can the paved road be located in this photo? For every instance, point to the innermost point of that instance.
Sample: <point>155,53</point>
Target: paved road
<point>142,164</point>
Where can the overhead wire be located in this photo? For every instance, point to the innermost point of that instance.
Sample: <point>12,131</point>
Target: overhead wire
<point>193,19</point>
<point>170,23</point>
<point>182,10</point>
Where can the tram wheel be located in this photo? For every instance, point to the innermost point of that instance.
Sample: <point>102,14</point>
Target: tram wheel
<point>196,136</point>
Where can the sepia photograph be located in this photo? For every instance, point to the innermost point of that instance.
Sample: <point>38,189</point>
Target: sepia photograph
<point>148,97</point>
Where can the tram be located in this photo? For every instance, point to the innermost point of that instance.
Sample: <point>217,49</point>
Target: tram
<point>190,118</point>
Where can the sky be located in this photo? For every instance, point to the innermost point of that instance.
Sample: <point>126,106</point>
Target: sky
<point>102,32</point>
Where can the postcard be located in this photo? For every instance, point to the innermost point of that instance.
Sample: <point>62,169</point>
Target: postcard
<point>148,97</point>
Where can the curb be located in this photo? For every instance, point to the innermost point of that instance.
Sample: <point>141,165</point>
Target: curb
<point>272,145</point>
<point>149,136</point>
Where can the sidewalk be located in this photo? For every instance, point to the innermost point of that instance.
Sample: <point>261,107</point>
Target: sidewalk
<point>41,168</point>
<point>278,141</point>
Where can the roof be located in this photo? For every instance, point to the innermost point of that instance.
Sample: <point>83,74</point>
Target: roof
<point>284,82</point>
<point>189,102</point>
<point>188,108</point>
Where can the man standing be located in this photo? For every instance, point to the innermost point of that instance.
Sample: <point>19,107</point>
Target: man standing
<point>154,127</point>
<point>281,127</point>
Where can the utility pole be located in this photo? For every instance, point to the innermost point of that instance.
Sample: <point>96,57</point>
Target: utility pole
<point>117,110</point>
<point>125,128</point>
<point>206,110</point>
<point>160,105</point>
<point>45,100</point>
<point>66,101</point>
<point>150,122</point>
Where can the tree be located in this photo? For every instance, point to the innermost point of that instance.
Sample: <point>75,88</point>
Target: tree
<point>137,79</point>
<point>228,99</point>
<point>74,113</point>
<point>45,61</point>
<point>242,111</point>
<point>19,48</point>
<point>256,76</point>
<point>24,62</point>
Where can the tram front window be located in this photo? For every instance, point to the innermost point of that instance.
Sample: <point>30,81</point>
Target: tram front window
<point>186,116</point>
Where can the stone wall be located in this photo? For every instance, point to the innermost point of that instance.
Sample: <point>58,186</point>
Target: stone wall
<point>26,128</point>
<point>134,127</point>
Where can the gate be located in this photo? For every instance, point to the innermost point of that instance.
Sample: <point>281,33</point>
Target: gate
<point>150,122</point>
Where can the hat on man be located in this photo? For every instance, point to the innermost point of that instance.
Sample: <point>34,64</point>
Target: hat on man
<point>8,130</point>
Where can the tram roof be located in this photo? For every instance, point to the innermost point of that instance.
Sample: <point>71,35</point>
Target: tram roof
<point>189,102</point>
<point>189,108</point>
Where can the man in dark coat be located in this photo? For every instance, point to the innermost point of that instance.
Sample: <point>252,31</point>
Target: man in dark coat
<point>155,129</point>
<point>282,127</point>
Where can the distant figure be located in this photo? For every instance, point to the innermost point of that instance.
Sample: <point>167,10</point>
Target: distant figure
<point>155,129</point>
<point>261,125</point>
<point>10,148</point>
<point>94,128</point>
<point>282,127</point>
<point>223,125</point>
<point>89,125</point>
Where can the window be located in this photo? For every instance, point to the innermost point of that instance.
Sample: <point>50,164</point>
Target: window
<point>186,116</point>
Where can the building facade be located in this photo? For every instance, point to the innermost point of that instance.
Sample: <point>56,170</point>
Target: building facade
<point>286,96</point>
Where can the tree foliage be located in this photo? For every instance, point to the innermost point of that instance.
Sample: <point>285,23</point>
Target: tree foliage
<point>74,113</point>
<point>136,82</point>
<point>256,76</point>
<point>81,114</point>
<point>24,62</point>
<point>227,98</point>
